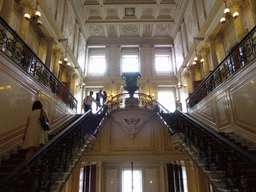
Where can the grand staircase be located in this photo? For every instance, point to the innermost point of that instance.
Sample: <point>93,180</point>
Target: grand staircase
<point>225,159</point>
<point>49,168</point>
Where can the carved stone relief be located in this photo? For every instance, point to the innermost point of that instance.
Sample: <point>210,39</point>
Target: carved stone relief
<point>132,122</point>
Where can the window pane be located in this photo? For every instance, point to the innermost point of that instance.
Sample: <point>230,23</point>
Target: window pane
<point>166,98</point>
<point>185,182</point>
<point>127,181</point>
<point>130,63</point>
<point>97,65</point>
<point>162,63</point>
<point>81,180</point>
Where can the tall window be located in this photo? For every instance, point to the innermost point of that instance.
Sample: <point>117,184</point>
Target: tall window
<point>185,181</point>
<point>97,65</point>
<point>162,63</point>
<point>96,61</point>
<point>130,59</point>
<point>166,97</point>
<point>81,180</point>
<point>127,181</point>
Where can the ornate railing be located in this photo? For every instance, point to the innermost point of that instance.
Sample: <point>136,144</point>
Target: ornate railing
<point>221,154</point>
<point>13,46</point>
<point>56,156</point>
<point>244,52</point>
<point>122,101</point>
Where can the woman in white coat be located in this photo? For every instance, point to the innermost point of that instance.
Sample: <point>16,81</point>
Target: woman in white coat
<point>34,135</point>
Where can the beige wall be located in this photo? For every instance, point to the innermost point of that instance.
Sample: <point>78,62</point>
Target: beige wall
<point>231,107</point>
<point>18,91</point>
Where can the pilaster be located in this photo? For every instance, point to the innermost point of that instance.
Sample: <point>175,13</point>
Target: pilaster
<point>24,25</point>
<point>206,68</point>
<point>57,54</point>
<point>49,55</point>
<point>7,9</point>
<point>213,55</point>
<point>240,30</point>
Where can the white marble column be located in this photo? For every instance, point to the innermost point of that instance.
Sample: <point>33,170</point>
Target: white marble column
<point>213,55</point>
<point>49,55</point>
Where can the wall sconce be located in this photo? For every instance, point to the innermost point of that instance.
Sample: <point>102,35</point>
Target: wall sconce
<point>196,58</point>
<point>80,85</point>
<point>65,60</point>
<point>227,14</point>
<point>35,17</point>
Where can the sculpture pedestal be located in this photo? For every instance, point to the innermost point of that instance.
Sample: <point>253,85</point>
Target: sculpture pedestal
<point>131,102</point>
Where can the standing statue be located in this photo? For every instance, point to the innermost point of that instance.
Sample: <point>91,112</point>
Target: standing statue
<point>131,82</point>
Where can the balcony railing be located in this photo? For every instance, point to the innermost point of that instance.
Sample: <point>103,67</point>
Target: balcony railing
<point>13,46</point>
<point>242,54</point>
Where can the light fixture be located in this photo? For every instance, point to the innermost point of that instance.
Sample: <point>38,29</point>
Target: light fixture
<point>65,60</point>
<point>80,85</point>
<point>196,58</point>
<point>227,13</point>
<point>35,17</point>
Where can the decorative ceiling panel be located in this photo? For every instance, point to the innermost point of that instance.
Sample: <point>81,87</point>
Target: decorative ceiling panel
<point>96,30</point>
<point>129,30</point>
<point>163,29</point>
<point>112,31</point>
<point>131,18</point>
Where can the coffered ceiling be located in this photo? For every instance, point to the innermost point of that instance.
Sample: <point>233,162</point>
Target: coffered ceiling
<point>133,18</point>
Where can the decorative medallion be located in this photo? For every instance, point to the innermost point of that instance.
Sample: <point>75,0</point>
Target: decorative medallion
<point>129,11</point>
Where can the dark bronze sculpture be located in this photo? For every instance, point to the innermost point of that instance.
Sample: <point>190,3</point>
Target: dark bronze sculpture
<point>131,82</point>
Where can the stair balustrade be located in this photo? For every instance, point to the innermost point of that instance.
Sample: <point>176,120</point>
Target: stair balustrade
<point>57,158</point>
<point>219,154</point>
<point>13,46</point>
<point>239,56</point>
